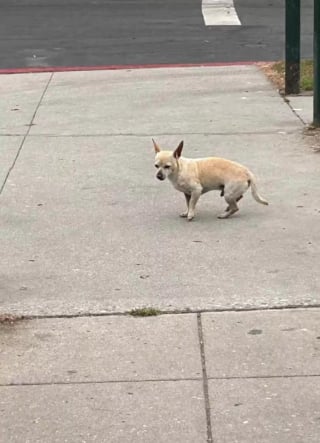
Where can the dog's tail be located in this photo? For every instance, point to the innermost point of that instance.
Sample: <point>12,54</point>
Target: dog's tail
<point>254,191</point>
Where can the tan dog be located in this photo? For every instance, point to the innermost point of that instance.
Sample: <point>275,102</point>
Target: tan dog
<point>194,177</point>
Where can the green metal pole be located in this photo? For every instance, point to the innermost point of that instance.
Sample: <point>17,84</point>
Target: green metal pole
<point>316,65</point>
<point>292,68</point>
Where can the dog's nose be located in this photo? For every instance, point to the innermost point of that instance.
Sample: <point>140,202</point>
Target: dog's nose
<point>160,176</point>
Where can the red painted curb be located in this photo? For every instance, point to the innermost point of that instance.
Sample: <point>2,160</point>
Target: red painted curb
<point>117,67</point>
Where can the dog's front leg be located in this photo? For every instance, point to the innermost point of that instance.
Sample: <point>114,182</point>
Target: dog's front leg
<point>195,195</point>
<point>185,213</point>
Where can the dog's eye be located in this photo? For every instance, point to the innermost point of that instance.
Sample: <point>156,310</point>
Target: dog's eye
<point>156,166</point>
<point>166,166</point>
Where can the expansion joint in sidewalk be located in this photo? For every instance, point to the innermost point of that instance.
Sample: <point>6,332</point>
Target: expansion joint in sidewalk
<point>156,380</point>
<point>25,135</point>
<point>205,379</point>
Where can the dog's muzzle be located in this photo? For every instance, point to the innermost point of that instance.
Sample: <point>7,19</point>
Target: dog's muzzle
<point>160,176</point>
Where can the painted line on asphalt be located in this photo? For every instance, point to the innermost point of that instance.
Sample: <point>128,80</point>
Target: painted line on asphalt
<point>33,70</point>
<point>219,13</point>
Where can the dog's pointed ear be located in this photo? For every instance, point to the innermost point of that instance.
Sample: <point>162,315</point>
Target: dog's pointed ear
<point>156,147</point>
<point>177,152</point>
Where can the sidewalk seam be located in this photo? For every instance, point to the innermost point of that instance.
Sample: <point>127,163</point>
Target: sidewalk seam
<point>173,312</point>
<point>159,380</point>
<point>160,134</point>
<point>92,382</point>
<point>204,379</point>
<point>25,136</point>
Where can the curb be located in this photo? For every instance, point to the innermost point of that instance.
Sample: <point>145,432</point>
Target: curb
<point>33,70</point>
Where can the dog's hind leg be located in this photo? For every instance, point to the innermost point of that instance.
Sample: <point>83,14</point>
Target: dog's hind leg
<point>185,213</point>
<point>239,198</point>
<point>231,209</point>
<point>233,193</point>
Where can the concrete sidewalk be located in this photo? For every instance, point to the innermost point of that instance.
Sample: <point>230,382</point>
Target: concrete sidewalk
<point>87,228</point>
<point>88,234</point>
<point>224,377</point>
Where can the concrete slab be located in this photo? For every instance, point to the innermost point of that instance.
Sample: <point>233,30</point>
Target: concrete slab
<point>127,412</point>
<point>100,349</point>
<point>303,106</point>
<point>280,410</point>
<point>162,101</point>
<point>251,344</point>
<point>88,228</point>
<point>20,95</point>
<point>9,148</point>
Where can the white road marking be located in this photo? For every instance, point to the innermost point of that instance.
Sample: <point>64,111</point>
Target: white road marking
<point>219,12</point>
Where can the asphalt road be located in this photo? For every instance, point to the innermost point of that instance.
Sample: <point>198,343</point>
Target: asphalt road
<point>42,33</point>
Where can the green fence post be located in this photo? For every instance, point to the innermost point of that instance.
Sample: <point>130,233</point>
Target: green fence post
<point>292,64</point>
<point>316,65</point>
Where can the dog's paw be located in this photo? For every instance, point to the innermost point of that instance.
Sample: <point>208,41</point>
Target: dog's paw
<point>224,215</point>
<point>190,217</point>
<point>184,214</point>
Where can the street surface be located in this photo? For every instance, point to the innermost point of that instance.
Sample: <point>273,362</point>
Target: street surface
<point>44,33</point>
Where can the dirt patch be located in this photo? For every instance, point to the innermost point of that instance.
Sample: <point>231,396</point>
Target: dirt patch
<point>275,72</point>
<point>312,137</point>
